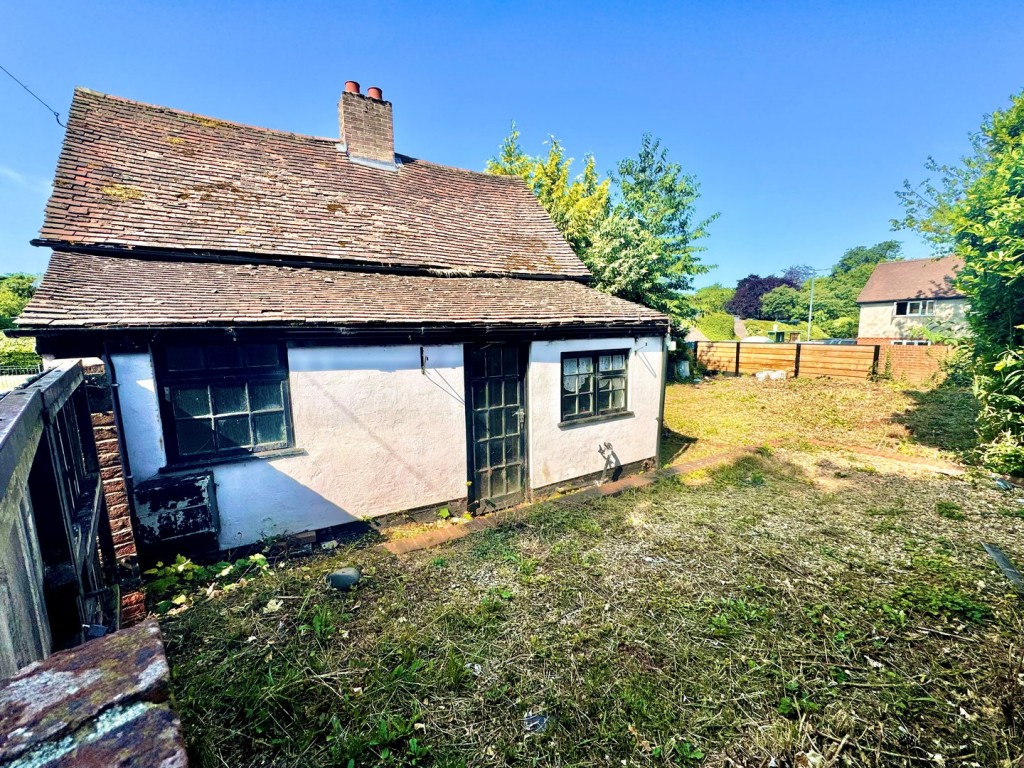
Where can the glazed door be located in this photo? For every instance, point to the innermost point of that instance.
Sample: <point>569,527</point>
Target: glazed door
<point>496,411</point>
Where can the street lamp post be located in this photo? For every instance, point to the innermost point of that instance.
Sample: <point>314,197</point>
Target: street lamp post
<point>810,306</point>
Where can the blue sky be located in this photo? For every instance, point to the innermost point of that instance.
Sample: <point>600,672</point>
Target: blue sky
<point>800,119</point>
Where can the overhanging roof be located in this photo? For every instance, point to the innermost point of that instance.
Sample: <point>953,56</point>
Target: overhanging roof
<point>916,279</point>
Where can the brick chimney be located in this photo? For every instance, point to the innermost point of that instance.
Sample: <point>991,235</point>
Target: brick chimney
<point>365,124</point>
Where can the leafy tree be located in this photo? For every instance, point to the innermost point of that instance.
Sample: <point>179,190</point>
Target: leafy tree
<point>711,298</point>
<point>15,291</point>
<point>782,303</point>
<point>863,256</point>
<point>577,205</point>
<point>747,300</point>
<point>647,249</point>
<point>977,209</point>
<point>798,274</point>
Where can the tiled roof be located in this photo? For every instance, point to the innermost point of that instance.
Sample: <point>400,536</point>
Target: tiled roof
<point>101,291</point>
<point>916,279</point>
<point>136,175</point>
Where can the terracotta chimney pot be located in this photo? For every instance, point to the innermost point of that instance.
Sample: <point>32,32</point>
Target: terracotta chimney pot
<point>351,86</point>
<point>375,93</point>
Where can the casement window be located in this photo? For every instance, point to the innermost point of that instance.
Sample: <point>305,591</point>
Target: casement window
<point>911,343</point>
<point>224,400</point>
<point>914,308</point>
<point>594,384</point>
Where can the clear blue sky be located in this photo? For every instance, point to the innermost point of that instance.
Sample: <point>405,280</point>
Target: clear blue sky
<point>800,119</point>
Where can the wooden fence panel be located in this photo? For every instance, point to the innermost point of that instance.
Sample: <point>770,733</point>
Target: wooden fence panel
<point>837,361</point>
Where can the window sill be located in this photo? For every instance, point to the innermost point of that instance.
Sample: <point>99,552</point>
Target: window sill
<point>216,461</point>
<point>596,419</point>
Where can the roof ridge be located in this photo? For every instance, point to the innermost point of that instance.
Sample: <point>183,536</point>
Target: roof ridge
<point>278,131</point>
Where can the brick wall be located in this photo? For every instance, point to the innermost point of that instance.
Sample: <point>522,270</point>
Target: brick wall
<point>914,364</point>
<point>115,493</point>
<point>366,127</point>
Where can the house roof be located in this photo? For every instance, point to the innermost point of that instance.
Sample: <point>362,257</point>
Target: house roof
<point>140,176</point>
<point>93,291</point>
<point>916,279</point>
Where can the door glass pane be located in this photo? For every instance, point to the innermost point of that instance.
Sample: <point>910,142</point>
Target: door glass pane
<point>495,454</point>
<point>190,401</point>
<point>477,369</point>
<point>493,361</point>
<point>233,432</point>
<point>511,392</point>
<point>512,420</point>
<point>479,395</point>
<point>497,482</point>
<point>511,450</point>
<point>494,392</point>
<point>194,436</point>
<point>480,424</point>
<point>511,367</point>
<point>266,396</point>
<point>481,455</point>
<point>494,422</point>
<point>270,427</point>
<point>512,483</point>
<point>229,398</point>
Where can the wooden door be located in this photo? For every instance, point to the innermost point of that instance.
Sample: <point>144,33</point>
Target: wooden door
<point>496,414</point>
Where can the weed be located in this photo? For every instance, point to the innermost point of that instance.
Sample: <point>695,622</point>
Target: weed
<point>949,510</point>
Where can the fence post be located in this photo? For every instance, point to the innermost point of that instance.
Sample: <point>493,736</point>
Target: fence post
<point>796,361</point>
<point>874,361</point>
<point>737,358</point>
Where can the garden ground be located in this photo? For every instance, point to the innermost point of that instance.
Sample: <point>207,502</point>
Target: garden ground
<point>802,606</point>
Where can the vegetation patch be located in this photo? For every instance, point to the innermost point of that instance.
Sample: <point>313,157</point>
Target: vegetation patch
<point>121,191</point>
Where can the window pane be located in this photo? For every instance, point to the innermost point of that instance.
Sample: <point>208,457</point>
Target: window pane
<point>266,396</point>
<point>511,392</point>
<point>568,406</point>
<point>493,361</point>
<point>604,401</point>
<point>901,307</point>
<point>270,427</point>
<point>190,401</point>
<point>511,360</point>
<point>569,366</point>
<point>494,390</point>
<point>184,358</point>
<point>223,356</point>
<point>586,404</point>
<point>618,399</point>
<point>479,395</point>
<point>229,399</point>
<point>586,365</point>
<point>233,432</point>
<point>261,355</point>
<point>194,436</point>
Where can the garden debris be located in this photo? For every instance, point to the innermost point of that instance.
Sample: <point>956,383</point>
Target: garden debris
<point>475,668</point>
<point>1006,566</point>
<point>329,545</point>
<point>534,723</point>
<point>1001,484</point>
<point>344,578</point>
<point>770,375</point>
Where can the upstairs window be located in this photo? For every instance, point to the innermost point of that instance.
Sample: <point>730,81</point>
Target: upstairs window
<point>914,308</point>
<point>224,400</point>
<point>594,384</point>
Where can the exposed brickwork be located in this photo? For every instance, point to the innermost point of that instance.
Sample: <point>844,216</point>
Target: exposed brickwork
<point>115,493</point>
<point>914,364</point>
<point>104,703</point>
<point>366,127</point>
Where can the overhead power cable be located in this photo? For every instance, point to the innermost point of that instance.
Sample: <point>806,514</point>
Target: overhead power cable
<point>54,112</point>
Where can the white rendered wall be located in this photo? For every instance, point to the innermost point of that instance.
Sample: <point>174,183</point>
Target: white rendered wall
<point>378,434</point>
<point>559,453</point>
<point>878,321</point>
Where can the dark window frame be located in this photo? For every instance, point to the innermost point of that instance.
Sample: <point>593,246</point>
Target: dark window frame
<point>168,381</point>
<point>577,415</point>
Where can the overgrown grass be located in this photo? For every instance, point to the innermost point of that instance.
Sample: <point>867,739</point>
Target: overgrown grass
<point>765,327</point>
<point>754,615</point>
<point>728,411</point>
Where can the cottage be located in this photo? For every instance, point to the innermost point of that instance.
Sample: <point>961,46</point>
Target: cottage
<point>904,298</point>
<point>301,332</point>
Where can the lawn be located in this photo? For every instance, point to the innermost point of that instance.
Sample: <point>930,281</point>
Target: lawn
<point>802,606</point>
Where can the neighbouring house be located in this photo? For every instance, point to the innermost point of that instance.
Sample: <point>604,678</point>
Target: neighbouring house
<point>301,332</point>
<point>903,299</point>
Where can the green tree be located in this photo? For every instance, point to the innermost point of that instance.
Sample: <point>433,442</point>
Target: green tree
<point>977,209</point>
<point>711,298</point>
<point>648,248</point>
<point>15,291</point>
<point>577,205</point>
<point>782,303</point>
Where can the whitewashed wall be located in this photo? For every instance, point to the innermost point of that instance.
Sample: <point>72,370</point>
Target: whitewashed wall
<point>378,436</point>
<point>559,453</point>
<point>879,321</point>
